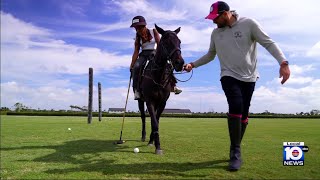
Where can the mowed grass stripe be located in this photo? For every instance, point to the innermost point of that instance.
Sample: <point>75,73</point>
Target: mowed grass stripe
<point>43,148</point>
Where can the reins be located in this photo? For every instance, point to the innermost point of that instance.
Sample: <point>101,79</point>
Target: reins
<point>169,61</point>
<point>184,73</point>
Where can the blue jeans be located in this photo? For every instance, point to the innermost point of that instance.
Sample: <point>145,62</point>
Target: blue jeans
<point>238,95</point>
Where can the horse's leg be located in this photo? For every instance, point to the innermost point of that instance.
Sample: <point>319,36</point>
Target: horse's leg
<point>150,143</point>
<point>143,120</point>
<point>155,127</point>
<point>160,109</point>
<point>151,140</point>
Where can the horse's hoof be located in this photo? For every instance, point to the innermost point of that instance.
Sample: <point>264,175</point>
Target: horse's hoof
<point>143,139</point>
<point>150,144</point>
<point>159,152</point>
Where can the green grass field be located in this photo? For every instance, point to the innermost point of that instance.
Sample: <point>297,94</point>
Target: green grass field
<point>43,148</point>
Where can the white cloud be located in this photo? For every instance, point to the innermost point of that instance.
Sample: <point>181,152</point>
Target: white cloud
<point>300,70</point>
<point>280,19</point>
<point>30,51</point>
<point>32,55</point>
<point>150,11</point>
<point>287,100</point>
<point>67,59</point>
<point>299,93</point>
<point>77,8</point>
<point>279,100</point>
<point>314,51</point>
<point>48,97</point>
<point>58,96</point>
<point>199,99</point>
<point>195,40</point>
<point>13,30</point>
<point>298,76</point>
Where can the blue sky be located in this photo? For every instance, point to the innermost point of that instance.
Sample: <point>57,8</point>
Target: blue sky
<point>48,46</point>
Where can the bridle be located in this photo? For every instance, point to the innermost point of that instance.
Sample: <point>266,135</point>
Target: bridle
<point>168,61</point>
<point>169,55</point>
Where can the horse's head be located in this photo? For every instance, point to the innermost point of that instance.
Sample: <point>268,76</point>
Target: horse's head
<point>169,48</point>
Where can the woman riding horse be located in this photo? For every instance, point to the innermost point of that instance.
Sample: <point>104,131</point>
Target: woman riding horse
<point>148,40</point>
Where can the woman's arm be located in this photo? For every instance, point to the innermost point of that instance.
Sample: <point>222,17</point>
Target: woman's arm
<point>135,52</point>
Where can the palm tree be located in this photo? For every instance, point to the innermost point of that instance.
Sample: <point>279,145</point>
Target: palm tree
<point>18,106</point>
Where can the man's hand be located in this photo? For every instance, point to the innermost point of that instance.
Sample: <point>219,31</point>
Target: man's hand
<point>284,72</point>
<point>188,67</point>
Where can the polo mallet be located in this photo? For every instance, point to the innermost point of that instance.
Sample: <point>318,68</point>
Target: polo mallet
<point>124,114</point>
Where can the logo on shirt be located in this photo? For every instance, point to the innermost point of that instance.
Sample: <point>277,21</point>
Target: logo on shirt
<point>237,34</point>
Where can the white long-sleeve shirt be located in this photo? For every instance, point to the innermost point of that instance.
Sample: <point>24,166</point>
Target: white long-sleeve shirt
<point>236,47</point>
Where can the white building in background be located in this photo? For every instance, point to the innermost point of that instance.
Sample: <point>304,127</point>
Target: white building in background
<point>177,111</point>
<point>116,110</point>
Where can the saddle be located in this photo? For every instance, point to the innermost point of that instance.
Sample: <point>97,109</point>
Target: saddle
<point>144,66</point>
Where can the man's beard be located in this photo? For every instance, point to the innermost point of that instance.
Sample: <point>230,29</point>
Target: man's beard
<point>221,25</point>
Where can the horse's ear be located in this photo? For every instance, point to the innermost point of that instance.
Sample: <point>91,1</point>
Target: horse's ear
<point>159,29</point>
<point>177,30</point>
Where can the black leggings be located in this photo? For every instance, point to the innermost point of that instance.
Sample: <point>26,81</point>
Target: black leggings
<point>238,95</point>
<point>143,57</point>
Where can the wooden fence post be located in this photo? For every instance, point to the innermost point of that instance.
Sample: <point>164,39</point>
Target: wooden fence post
<point>99,96</point>
<point>90,95</point>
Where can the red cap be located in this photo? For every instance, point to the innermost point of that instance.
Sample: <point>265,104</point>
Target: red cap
<point>217,9</point>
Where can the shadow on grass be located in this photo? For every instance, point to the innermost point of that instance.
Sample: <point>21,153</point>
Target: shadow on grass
<point>109,167</point>
<point>68,151</point>
<point>86,154</point>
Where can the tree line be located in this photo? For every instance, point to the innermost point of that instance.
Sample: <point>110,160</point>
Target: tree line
<point>21,109</point>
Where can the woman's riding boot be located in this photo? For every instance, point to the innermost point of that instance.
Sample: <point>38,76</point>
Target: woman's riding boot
<point>177,90</point>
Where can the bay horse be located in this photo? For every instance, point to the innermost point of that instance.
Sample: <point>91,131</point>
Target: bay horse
<point>156,82</point>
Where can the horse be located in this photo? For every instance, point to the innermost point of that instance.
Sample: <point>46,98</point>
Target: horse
<point>143,119</point>
<point>156,81</point>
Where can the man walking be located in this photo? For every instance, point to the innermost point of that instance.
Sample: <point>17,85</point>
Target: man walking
<point>235,44</point>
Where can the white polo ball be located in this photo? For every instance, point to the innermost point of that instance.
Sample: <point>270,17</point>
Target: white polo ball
<point>136,150</point>
<point>69,129</point>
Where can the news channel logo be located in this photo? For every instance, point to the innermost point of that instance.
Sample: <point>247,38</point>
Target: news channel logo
<point>293,153</point>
